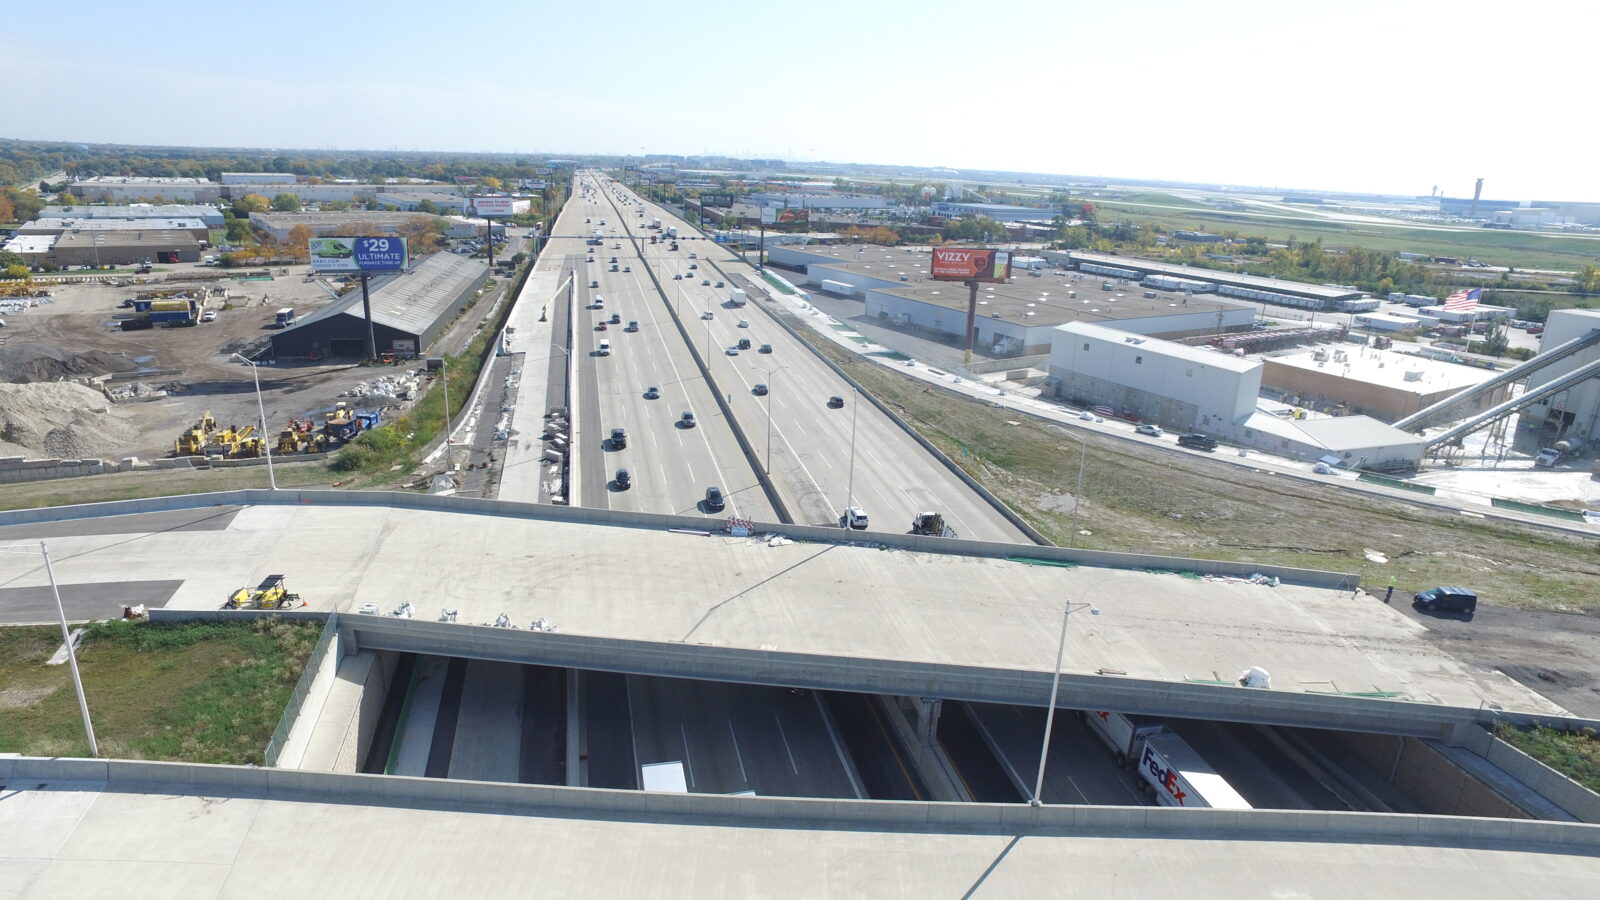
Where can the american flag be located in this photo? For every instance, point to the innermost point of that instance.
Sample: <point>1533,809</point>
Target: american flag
<point>1463,300</point>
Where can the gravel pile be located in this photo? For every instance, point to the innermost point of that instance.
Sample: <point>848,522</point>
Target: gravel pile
<point>30,361</point>
<point>60,419</point>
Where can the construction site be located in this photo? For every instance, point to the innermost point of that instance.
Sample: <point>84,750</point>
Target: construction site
<point>159,367</point>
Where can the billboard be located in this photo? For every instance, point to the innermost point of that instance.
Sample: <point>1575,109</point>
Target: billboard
<point>357,254</point>
<point>968,264</point>
<point>719,200</point>
<point>490,206</point>
<point>785,216</point>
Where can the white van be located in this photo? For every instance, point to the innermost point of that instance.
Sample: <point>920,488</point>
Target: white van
<point>605,347</point>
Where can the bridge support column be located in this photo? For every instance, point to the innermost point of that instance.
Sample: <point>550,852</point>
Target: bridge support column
<point>915,721</point>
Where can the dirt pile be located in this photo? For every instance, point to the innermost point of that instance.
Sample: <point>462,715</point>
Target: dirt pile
<point>25,362</point>
<point>62,420</point>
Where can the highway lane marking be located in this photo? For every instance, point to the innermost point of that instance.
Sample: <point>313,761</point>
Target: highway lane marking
<point>737,754</point>
<point>838,748</point>
<point>1005,758</point>
<point>786,748</point>
<point>688,763</point>
<point>893,750</point>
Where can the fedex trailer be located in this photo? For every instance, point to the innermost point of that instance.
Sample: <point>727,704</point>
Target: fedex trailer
<point>1179,777</point>
<point>1123,734</point>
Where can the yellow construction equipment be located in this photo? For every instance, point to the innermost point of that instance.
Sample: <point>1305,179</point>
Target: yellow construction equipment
<point>248,448</point>
<point>289,441</point>
<point>192,442</point>
<point>269,594</point>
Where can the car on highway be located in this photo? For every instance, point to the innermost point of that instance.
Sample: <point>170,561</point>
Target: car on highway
<point>593,284</point>
<point>652,393</point>
<point>705,282</point>
<point>600,326</point>
<point>687,419</point>
<point>693,255</point>
<point>1145,428</point>
<point>708,314</point>
<point>693,266</point>
<point>209,315</point>
<point>613,259</point>
<point>744,323</point>
<point>616,318</point>
<point>855,517</point>
<point>765,348</point>
<point>677,277</point>
<point>627,268</point>
<point>714,499</point>
<point>733,351</point>
<point>836,402</point>
<point>719,284</point>
<point>619,438</point>
<point>632,326</point>
<point>1088,416</point>
<point>759,390</point>
<point>623,480</point>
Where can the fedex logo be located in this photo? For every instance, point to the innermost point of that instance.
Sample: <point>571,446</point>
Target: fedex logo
<point>1163,775</point>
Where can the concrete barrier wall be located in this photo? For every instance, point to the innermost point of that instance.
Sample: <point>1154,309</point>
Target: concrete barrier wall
<point>17,469</point>
<point>914,679</point>
<point>320,665</point>
<point>1582,803</point>
<point>478,506</point>
<point>877,815</point>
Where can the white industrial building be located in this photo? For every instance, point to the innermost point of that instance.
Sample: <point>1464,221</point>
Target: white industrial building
<point>1194,389</point>
<point>259,178</point>
<point>1572,414</point>
<point>308,193</point>
<point>1232,284</point>
<point>820,201</point>
<point>999,212</point>
<point>120,189</point>
<point>206,213</point>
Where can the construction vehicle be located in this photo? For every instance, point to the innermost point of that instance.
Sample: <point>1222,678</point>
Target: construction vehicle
<point>931,523</point>
<point>193,441</point>
<point>248,447</point>
<point>269,594</point>
<point>289,441</point>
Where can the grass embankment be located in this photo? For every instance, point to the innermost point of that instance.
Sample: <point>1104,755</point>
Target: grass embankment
<point>203,692</point>
<point>1139,498</point>
<point>1575,754</point>
<point>1501,248</point>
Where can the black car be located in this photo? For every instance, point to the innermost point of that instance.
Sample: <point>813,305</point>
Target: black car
<point>624,480</point>
<point>1197,442</point>
<point>1449,599</point>
<point>836,402</point>
<point>714,499</point>
<point>652,392</point>
<point>619,438</point>
<point>760,390</point>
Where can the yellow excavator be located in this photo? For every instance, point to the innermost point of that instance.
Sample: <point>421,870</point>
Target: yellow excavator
<point>269,594</point>
<point>193,441</point>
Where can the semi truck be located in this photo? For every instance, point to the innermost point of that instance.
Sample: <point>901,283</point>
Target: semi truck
<point>1179,777</point>
<point>1123,733</point>
<point>655,224</point>
<point>931,523</point>
<point>672,232</point>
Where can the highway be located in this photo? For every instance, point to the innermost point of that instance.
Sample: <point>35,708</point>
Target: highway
<point>822,458</point>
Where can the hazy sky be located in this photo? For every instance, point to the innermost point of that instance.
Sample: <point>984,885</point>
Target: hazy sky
<point>1351,95</point>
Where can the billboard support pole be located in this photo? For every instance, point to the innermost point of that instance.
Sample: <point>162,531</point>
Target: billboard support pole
<point>972,316</point>
<point>488,238</point>
<point>366,311</point>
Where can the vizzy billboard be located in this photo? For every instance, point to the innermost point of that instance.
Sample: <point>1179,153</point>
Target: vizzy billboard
<point>970,264</point>
<point>358,254</point>
<point>785,216</point>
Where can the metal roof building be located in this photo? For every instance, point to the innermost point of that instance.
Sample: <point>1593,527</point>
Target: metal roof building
<point>409,312</point>
<point>279,224</point>
<point>199,229</point>
<point>121,248</point>
<point>1247,287</point>
<point>206,213</point>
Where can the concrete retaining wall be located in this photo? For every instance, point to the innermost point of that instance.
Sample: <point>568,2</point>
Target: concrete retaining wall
<point>17,469</point>
<point>1582,803</point>
<point>477,506</point>
<point>711,809</point>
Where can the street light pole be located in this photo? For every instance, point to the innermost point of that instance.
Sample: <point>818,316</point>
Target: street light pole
<point>72,656</point>
<point>261,407</point>
<point>850,490</point>
<point>1055,688</point>
<point>444,375</point>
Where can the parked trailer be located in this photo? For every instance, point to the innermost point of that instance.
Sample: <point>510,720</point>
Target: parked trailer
<point>1179,777</point>
<point>1123,733</point>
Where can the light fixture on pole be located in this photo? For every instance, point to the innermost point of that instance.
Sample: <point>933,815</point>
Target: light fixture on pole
<point>66,639</point>
<point>1055,688</point>
<point>261,407</point>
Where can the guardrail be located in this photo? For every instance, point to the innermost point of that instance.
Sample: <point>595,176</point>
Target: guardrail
<point>394,791</point>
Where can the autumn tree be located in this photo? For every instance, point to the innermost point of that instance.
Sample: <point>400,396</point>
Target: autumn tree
<point>299,242</point>
<point>423,234</point>
<point>250,203</point>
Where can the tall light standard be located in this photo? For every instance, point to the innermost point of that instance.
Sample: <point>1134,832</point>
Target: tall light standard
<point>850,490</point>
<point>1055,688</point>
<point>1077,497</point>
<point>261,407</point>
<point>444,376</point>
<point>72,654</point>
<point>771,375</point>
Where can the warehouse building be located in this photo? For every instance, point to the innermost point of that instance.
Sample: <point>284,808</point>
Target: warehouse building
<point>259,178</point>
<point>1250,288</point>
<point>206,213</point>
<point>1386,384</point>
<point>821,201</point>
<point>1193,389</point>
<point>195,227</point>
<point>1013,319</point>
<point>345,222</point>
<point>308,193</point>
<point>1573,414</point>
<point>33,248</point>
<point>122,248</point>
<point>999,212</point>
<point>122,189</point>
<point>409,312</point>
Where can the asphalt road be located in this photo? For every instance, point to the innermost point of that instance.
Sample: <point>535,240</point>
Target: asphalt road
<point>215,518</point>
<point>82,602</point>
<point>1080,768</point>
<point>822,459</point>
<point>737,737</point>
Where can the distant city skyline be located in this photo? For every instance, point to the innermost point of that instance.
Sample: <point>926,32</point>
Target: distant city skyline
<point>1377,98</point>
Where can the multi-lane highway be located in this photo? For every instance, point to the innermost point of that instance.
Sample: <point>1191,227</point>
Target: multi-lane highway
<point>823,456</point>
